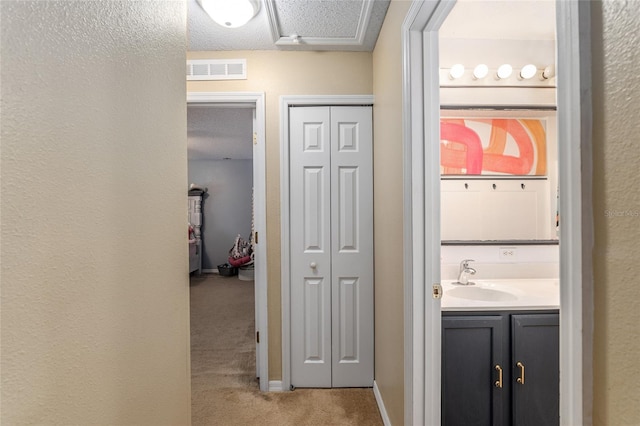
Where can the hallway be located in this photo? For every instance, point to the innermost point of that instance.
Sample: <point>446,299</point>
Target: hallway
<point>223,384</point>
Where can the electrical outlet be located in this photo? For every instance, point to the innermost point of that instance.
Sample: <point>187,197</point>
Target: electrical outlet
<point>509,254</point>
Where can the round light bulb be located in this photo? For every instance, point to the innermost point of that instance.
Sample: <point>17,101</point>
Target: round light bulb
<point>504,71</point>
<point>456,71</point>
<point>549,72</point>
<point>480,71</point>
<point>528,71</point>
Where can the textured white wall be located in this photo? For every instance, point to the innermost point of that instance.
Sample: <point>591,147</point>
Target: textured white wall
<point>616,179</point>
<point>94,263</point>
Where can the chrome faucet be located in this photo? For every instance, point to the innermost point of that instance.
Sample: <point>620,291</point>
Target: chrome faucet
<point>465,271</point>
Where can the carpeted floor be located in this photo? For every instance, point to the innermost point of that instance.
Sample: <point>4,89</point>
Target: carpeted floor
<point>223,383</point>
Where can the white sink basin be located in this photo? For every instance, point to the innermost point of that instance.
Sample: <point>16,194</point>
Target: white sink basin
<point>512,294</point>
<point>485,294</point>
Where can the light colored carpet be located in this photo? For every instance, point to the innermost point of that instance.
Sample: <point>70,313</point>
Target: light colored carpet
<point>223,383</point>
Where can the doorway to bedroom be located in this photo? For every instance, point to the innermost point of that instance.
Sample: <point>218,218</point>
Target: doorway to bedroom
<point>220,168</point>
<point>228,295</point>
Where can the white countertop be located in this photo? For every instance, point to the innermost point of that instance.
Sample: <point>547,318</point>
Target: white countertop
<point>501,294</point>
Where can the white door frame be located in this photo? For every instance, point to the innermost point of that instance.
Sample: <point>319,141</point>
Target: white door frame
<point>285,251</point>
<point>255,99</point>
<point>422,210</point>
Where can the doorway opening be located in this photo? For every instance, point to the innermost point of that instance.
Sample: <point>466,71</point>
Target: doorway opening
<point>498,228</point>
<point>247,111</point>
<point>423,216</point>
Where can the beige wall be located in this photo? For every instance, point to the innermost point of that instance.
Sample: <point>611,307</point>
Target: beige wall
<point>388,212</point>
<point>95,291</point>
<point>616,183</point>
<point>279,73</point>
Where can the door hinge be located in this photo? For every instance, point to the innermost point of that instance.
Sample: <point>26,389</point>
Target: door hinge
<point>257,337</point>
<point>255,237</point>
<point>255,139</point>
<point>437,291</point>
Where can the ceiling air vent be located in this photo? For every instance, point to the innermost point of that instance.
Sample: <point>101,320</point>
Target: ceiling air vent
<point>217,69</point>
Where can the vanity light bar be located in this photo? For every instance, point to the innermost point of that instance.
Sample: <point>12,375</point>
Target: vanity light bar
<point>504,75</point>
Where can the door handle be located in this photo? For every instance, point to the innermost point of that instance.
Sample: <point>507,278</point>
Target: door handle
<point>498,383</point>
<point>521,378</point>
<point>313,265</point>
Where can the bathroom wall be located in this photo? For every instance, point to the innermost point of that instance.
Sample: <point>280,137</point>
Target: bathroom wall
<point>502,261</point>
<point>466,97</point>
<point>527,261</point>
<point>226,207</point>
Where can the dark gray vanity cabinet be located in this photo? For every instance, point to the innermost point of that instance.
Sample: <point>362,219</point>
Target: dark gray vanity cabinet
<point>472,347</point>
<point>500,369</point>
<point>535,363</point>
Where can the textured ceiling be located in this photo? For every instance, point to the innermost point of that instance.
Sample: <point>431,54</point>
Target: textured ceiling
<point>337,19</point>
<point>217,133</point>
<point>348,25</point>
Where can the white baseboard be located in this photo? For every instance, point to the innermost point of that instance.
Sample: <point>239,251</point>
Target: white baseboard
<point>383,411</point>
<point>210,271</point>
<point>275,386</point>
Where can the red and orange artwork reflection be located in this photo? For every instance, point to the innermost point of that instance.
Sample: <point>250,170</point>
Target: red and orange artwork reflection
<point>475,146</point>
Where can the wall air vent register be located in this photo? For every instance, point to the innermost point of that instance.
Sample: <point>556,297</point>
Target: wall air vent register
<point>217,69</point>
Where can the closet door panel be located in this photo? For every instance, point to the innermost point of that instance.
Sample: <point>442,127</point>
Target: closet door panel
<point>352,246</point>
<point>310,175</point>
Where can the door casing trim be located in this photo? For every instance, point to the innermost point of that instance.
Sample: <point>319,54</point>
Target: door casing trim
<point>255,99</point>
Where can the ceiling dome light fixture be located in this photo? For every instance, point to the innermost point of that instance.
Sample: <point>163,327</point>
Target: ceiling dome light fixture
<point>480,71</point>
<point>528,71</point>
<point>504,71</point>
<point>231,13</point>
<point>456,71</point>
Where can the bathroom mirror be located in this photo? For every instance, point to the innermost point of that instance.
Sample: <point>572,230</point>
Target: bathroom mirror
<point>498,175</point>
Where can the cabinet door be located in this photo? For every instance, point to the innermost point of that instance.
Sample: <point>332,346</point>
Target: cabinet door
<point>472,347</point>
<point>535,369</point>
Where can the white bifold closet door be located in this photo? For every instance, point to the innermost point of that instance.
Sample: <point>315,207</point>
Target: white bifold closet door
<point>331,202</point>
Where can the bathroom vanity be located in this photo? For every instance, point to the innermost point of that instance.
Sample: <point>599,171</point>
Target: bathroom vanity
<point>500,353</point>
